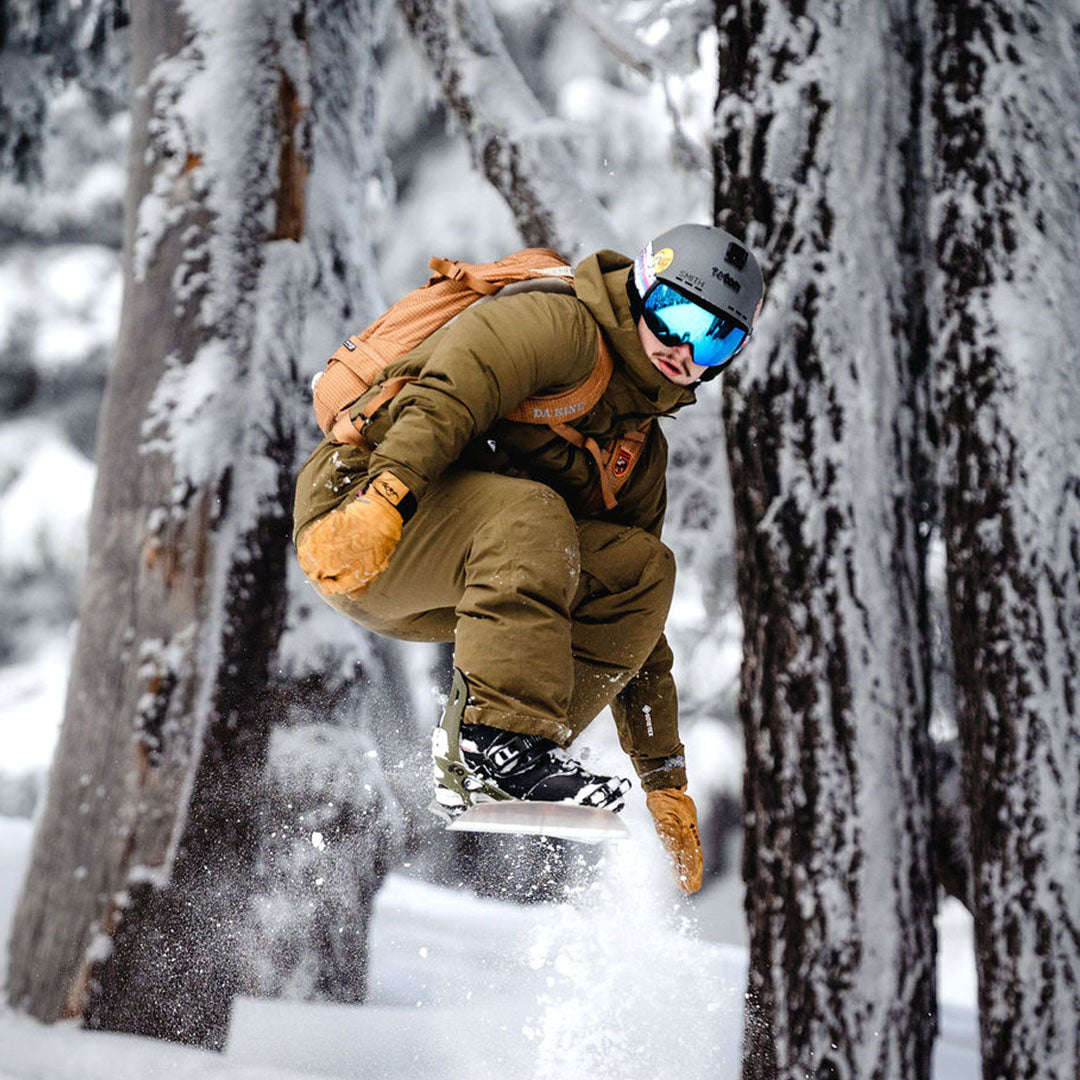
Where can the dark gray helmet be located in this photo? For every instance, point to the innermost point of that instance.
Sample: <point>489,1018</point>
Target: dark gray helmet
<point>706,263</point>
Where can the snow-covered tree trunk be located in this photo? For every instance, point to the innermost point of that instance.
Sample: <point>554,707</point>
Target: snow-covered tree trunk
<point>814,159</point>
<point>246,251</point>
<point>509,134</point>
<point>1006,323</point>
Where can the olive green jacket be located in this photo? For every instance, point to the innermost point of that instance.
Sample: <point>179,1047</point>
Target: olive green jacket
<point>471,374</point>
<point>474,372</point>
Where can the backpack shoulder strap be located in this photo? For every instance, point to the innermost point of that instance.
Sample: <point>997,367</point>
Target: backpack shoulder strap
<point>620,456</point>
<point>349,429</point>
<point>613,465</point>
<point>558,408</point>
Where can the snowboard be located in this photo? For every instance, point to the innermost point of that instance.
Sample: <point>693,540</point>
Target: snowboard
<point>563,821</point>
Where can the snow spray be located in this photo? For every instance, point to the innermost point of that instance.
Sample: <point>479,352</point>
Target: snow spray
<point>631,990</point>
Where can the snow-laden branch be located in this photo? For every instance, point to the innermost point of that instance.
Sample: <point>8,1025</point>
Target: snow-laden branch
<point>624,44</point>
<point>512,139</point>
<point>41,47</point>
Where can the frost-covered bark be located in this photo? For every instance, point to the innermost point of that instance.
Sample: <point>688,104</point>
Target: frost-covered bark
<point>814,155</point>
<point>1006,323</point>
<point>246,251</point>
<point>508,132</point>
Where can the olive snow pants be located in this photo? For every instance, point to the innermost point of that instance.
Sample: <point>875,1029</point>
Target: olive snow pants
<point>551,617</point>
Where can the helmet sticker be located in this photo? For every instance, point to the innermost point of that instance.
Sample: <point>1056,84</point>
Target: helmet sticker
<point>643,278</point>
<point>662,260</point>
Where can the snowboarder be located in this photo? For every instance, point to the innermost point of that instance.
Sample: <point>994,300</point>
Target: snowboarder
<point>456,523</point>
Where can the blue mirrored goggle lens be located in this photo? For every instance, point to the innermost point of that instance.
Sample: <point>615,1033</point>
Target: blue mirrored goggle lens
<point>676,320</point>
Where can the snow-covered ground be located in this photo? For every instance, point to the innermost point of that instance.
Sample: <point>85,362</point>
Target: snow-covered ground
<point>628,980</point>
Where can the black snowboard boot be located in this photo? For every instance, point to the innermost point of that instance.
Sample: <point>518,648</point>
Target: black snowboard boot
<point>477,763</point>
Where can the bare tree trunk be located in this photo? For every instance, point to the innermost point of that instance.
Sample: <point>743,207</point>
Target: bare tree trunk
<point>504,126</point>
<point>140,879</point>
<point>1006,323</point>
<point>814,149</point>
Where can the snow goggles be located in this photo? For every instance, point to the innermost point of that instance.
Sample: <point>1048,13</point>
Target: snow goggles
<point>676,320</point>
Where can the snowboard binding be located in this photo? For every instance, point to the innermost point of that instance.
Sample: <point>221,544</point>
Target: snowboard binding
<point>558,797</point>
<point>457,785</point>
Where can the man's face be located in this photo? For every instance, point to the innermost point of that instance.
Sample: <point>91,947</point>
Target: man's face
<point>674,363</point>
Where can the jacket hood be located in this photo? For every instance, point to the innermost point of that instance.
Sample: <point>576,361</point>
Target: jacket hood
<point>600,283</point>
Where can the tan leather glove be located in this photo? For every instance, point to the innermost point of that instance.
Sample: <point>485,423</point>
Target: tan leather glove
<point>675,818</point>
<point>345,551</point>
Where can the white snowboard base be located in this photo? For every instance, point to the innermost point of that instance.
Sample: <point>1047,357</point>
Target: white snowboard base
<point>563,821</point>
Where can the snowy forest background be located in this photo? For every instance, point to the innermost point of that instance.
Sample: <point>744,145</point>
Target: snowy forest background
<point>877,520</point>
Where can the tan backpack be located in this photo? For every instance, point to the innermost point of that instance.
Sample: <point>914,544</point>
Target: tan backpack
<point>356,365</point>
